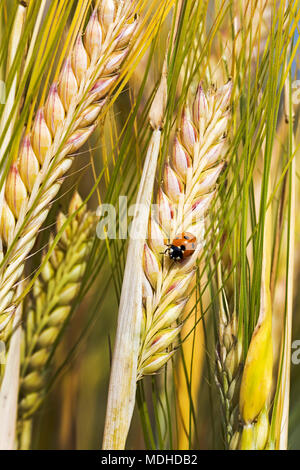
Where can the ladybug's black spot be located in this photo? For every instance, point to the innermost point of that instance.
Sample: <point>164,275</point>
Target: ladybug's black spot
<point>182,247</point>
<point>193,246</point>
<point>186,237</point>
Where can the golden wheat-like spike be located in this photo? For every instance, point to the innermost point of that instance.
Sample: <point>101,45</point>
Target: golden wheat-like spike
<point>53,293</point>
<point>60,128</point>
<point>188,188</point>
<point>228,371</point>
<point>256,383</point>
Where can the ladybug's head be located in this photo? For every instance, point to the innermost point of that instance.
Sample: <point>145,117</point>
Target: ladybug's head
<point>176,252</point>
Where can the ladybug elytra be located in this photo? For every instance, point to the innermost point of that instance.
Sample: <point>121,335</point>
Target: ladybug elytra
<point>183,246</point>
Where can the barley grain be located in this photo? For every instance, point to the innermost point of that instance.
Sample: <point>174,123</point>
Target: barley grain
<point>256,382</point>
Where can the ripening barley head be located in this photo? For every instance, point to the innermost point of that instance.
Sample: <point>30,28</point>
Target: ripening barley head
<point>176,234</point>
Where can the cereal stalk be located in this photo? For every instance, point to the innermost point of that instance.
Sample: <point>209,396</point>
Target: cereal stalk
<point>228,367</point>
<point>15,38</point>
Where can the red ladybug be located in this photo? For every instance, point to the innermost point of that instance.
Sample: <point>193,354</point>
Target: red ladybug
<point>183,246</point>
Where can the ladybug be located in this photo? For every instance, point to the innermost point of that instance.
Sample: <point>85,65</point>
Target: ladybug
<point>183,246</point>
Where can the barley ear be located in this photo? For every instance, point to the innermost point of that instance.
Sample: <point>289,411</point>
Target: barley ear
<point>183,201</point>
<point>50,307</point>
<point>122,385</point>
<point>69,116</point>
